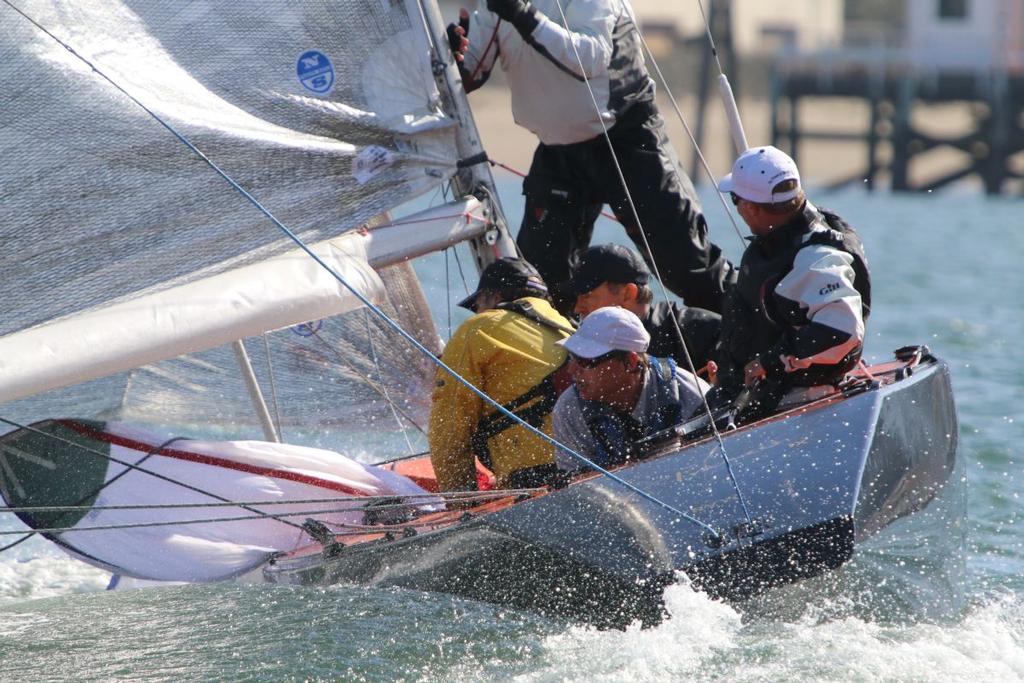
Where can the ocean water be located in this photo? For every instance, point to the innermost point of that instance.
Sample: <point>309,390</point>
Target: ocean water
<point>946,273</point>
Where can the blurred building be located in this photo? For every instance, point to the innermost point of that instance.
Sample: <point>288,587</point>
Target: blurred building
<point>944,94</point>
<point>758,27</point>
<point>965,35</point>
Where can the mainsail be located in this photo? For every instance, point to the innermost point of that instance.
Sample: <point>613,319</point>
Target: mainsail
<point>326,113</point>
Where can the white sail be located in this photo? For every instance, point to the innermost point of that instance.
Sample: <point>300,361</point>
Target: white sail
<point>327,113</point>
<point>137,211</point>
<point>183,545</point>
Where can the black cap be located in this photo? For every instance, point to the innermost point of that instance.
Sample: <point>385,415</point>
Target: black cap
<point>607,263</point>
<point>504,275</point>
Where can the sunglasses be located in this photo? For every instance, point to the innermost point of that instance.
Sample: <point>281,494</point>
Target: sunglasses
<point>735,198</point>
<point>590,363</point>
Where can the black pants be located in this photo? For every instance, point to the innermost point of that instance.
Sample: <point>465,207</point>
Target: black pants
<point>568,184</point>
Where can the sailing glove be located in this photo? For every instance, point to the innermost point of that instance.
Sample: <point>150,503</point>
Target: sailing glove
<point>519,13</point>
<point>457,36</point>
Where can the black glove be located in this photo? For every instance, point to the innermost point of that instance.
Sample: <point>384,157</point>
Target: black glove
<point>519,13</point>
<point>457,36</point>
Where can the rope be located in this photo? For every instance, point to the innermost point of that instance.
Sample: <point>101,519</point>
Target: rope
<point>376,386</point>
<point>689,133</point>
<point>362,298</point>
<point>384,386</point>
<point>393,224</point>
<point>448,289</point>
<point>141,525</point>
<point>362,528</point>
<point>376,502</point>
<point>132,466</point>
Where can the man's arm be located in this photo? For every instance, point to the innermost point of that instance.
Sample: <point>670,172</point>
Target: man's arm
<point>579,45</point>
<point>569,428</point>
<point>820,286</point>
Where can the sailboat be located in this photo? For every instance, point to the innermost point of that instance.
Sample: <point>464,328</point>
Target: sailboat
<point>194,217</point>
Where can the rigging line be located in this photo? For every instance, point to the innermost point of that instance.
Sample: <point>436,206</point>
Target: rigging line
<point>360,529</point>
<point>375,502</point>
<point>273,385</point>
<point>650,254</point>
<point>376,386</point>
<point>131,466</point>
<point>98,489</point>
<point>382,383</point>
<point>689,133</point>
<point>466,215</point>
<point>362,298</point>
<point>448,290</point>
<point>462,274</point>
<point>711,38</point>
<point>725,207</point>
<point>279,516</point>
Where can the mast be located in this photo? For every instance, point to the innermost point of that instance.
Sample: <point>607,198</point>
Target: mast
<point>259,404</point>
<point>474,175</point>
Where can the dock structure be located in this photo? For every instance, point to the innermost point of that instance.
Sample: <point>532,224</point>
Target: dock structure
<point>898,99</point>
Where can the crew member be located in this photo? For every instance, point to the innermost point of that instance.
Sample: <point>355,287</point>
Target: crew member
<point>796,316</point>
<point>508,350</point>
<point>556,67</point>
<point>613,275</point>
<point>620,394</point>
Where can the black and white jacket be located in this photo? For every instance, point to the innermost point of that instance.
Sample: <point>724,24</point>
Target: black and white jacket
<point>800,302</point>
<point>549,70</point>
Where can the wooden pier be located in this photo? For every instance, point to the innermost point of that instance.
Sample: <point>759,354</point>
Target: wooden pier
<point>898,99</point>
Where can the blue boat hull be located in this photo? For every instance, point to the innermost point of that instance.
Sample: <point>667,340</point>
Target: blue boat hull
<point>817,482</point>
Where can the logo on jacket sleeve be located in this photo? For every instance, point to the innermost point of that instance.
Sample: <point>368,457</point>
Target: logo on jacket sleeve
<point>829,288</point>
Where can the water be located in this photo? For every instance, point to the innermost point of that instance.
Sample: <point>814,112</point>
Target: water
<point>946,273</point>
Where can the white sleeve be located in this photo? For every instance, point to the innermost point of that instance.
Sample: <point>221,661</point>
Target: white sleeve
<point>691,391</point>
<point>587,29</point>
<point>821,284</point>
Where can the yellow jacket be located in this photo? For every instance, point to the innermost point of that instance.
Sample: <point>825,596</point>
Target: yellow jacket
<point>504,354</point>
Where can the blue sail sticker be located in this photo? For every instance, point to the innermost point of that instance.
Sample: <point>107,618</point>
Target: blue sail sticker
<point>315,72</point>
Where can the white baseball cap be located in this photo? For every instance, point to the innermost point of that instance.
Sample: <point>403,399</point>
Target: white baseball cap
<point>605,330</point>
<point>757,171</point>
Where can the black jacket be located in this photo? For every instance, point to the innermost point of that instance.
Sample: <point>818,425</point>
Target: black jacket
<point>700,329</point>
<point>797,305</point>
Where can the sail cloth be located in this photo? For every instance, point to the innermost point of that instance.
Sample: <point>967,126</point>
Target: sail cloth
<point>36,470</point>
<point>326,112</point>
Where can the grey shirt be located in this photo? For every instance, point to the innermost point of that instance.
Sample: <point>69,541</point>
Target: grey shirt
<point>570,428</point>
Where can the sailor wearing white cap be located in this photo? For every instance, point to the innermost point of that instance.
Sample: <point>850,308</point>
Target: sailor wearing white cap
<point>796,316</point>
<point>619,395</point>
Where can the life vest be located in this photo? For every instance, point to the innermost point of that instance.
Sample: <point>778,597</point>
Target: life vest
<point>771,258</point>
<point>535,403</point>
<point>617,431</point>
